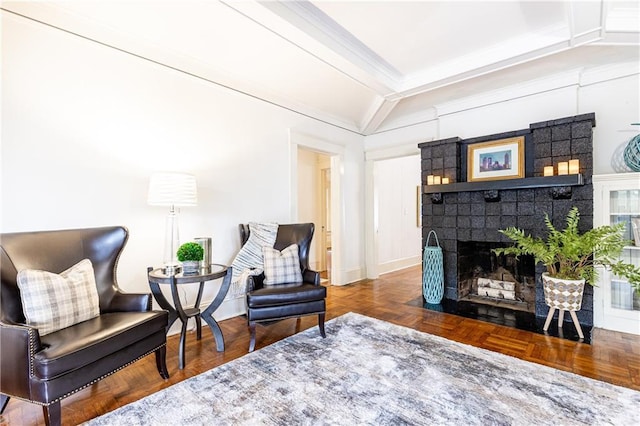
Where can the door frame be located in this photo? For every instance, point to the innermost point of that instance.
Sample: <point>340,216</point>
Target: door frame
<point>325,215</point>
<point>371,201</point>
<point>299,140</point>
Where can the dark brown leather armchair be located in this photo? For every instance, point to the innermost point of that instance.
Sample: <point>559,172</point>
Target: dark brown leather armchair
<point>45,369</point>
<point>266,304</point>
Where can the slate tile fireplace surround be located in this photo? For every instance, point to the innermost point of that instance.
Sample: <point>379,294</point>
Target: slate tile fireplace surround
<point>462,213</point>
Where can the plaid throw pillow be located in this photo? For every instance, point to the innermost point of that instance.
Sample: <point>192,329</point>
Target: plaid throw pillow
<point>281,267</point>
<point>55,301</point>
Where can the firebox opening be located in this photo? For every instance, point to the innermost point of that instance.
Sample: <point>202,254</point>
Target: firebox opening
<point>484,277</point>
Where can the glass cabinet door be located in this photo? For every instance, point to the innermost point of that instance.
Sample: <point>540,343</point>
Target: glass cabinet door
<point>616,303</point>
<point>625,208</point>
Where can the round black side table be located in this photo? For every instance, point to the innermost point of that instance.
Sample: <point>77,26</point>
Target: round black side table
<point>176,311</point>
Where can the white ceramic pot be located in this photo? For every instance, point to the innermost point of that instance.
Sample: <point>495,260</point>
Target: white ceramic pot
<point>563,294</point>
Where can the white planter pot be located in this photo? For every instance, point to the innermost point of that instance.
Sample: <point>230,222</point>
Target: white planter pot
<point>563,294</point>
<point>190,267</point>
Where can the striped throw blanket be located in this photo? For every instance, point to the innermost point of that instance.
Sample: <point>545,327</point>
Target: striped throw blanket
<point>249,259</point>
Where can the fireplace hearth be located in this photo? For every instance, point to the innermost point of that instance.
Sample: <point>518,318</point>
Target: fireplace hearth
<point>467,217</point>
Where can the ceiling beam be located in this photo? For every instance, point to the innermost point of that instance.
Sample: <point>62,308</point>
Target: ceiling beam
<point>378,112</point>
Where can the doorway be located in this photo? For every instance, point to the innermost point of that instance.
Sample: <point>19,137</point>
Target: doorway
<point>314,205</point>
<point>392,215</point>
<point>325,207</point>
<point>305,196</point>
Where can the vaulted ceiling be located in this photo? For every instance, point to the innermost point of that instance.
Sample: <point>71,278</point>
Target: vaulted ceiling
<point>366,66</point>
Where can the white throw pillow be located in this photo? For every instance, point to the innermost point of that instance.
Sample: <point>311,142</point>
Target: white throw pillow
<point>51,302</point>
<point>281,267</point>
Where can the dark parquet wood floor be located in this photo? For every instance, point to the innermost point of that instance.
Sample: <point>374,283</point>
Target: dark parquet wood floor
<point>612,357</point>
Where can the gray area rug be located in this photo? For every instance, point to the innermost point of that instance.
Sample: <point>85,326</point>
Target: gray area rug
<point>371,372</point>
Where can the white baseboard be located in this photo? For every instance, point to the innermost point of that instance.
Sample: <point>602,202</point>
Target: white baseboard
<point>352,276</point>
<point>397,264</point>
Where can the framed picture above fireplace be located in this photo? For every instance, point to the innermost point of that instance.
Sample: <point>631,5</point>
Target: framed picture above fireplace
<point>494,160</point>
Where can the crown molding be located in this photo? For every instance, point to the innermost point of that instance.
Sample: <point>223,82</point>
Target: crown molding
<point>533,87</point>
<point>389,152</point>
<point>429,113</point>
<point>609,72</point>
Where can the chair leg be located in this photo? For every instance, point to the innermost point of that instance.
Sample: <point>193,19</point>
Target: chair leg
<point>52,414</point>
<point>321,324</point>
<point>198,327</point>
<point>4,400</point>
<point>161,361</point>
<point>252,333</point>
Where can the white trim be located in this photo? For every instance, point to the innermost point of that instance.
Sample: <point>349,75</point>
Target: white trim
<point>396,265</point>
<point>378,112</point>
<point>298,139</point>
<point>352,276</point>
<point>370,221</point>
<point>609,72</point>
<point>530,88</point>
<point>395,151</point>
<point>321,27</point>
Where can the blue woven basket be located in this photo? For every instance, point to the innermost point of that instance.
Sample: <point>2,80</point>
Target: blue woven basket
<point>432,271</point>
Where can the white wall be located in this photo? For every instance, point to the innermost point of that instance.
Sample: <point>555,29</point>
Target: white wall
<point>399,237</point>
<point>84,126</point>
<point>617,105</point>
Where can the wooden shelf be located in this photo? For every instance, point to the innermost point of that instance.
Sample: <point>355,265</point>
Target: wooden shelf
<point>524,183</point>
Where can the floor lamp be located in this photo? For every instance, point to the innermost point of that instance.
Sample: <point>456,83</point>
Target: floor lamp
<point>173,190</point>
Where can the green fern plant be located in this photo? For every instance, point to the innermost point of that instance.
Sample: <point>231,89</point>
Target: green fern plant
<point>567,254</point>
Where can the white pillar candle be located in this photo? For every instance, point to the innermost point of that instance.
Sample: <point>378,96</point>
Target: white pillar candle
<point>563,168</point>
<point>574,167</point>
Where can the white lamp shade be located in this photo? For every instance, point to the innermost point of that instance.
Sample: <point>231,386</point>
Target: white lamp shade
<point>172,189</point>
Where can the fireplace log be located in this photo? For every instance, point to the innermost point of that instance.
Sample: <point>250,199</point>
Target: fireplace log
<point>497,293</point>
<point>497,284</point>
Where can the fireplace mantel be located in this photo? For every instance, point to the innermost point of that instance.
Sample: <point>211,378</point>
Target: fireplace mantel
<point>523,183</point>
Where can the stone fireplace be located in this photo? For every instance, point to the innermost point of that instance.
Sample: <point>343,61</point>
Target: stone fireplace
<point>468,215</point>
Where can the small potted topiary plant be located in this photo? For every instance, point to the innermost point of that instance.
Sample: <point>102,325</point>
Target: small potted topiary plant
<point>190,254</point>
